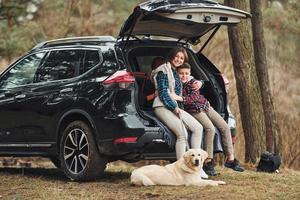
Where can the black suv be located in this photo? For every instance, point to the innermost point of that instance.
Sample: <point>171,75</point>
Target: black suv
<point>80,101</point>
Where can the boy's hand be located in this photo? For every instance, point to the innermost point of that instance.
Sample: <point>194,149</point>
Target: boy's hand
<point>196,85</point>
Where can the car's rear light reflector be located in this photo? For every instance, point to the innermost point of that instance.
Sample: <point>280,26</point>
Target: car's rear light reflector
<point>125,140</point>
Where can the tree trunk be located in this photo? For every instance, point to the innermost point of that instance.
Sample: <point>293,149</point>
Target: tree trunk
<point>85,10</point>
<point>248,90</point>
<point>273,138</point>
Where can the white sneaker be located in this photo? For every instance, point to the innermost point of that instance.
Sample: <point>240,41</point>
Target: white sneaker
<point>203,174</point>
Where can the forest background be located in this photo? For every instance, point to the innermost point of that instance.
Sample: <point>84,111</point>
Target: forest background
<point>24,23</point>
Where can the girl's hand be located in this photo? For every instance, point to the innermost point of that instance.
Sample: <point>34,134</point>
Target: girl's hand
<point>177,112</point>
<point>176,97</point>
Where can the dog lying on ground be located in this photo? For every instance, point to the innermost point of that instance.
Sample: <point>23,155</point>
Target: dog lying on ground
<point>185,171</point>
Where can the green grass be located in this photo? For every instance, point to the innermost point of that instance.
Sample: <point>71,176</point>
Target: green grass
<point>50,183</point>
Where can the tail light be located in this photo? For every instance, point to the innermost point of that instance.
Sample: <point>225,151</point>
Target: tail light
<point>123,78</point>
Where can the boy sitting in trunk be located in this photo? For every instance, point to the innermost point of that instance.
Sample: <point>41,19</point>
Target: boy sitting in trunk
<point>198,106</point>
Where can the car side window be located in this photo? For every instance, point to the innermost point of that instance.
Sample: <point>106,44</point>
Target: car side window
<point>109,64</point>
<point>23,72</point>
<point>91,59</point>
<point>109,61</point>
<point>60,64</point>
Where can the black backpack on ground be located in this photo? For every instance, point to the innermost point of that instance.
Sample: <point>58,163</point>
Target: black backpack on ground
<point>269,162</point>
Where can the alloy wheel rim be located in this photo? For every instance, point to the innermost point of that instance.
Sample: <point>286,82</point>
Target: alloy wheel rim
<point>76,151</point>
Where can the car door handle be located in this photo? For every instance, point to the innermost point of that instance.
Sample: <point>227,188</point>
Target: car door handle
<point>20,96</point>
<point>66,90</point>
<point>8,94</point>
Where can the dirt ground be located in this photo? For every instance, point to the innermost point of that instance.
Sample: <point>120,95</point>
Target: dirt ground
<point>40,180</point>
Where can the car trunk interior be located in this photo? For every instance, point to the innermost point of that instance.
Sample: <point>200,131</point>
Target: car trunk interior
<point>140,59</point>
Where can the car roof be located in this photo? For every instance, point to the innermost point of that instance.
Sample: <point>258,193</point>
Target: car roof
<point>88,41</point>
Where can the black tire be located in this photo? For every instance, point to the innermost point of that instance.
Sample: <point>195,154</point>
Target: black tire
<point>79,156</point>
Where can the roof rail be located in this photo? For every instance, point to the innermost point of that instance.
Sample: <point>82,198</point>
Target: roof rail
<point>75,40</point>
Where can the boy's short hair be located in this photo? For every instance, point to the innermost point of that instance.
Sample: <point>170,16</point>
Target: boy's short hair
<point>184,66</point>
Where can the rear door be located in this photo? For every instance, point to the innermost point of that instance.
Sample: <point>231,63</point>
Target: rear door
<point>185,20</point>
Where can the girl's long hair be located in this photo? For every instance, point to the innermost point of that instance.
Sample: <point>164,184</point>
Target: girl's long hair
<point>171,55</point>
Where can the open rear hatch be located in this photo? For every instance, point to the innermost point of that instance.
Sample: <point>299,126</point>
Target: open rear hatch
<point>185,20</point>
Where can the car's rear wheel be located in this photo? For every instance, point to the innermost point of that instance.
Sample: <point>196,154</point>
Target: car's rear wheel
<point>79,156</point>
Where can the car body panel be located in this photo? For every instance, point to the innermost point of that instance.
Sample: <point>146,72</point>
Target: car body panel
<point>12,116</point>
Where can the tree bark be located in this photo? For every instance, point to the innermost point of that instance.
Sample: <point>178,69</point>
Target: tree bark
<point>250,102</point>
<point>85,10</point>
<point>273,138</point>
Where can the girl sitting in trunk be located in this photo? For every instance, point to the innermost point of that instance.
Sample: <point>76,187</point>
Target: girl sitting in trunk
<point>167,109</point>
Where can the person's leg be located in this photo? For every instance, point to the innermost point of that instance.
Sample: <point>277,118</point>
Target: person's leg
<point>220,123</point>
<point>209,132</point>
<point>195,127</point>
<point>209,129</point>
<point>197,130</point>
<point>174,124</point>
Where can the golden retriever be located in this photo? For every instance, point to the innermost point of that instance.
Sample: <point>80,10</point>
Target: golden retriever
<point>185,171</point>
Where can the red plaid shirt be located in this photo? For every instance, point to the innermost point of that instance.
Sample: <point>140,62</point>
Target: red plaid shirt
<point>193,101</point>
